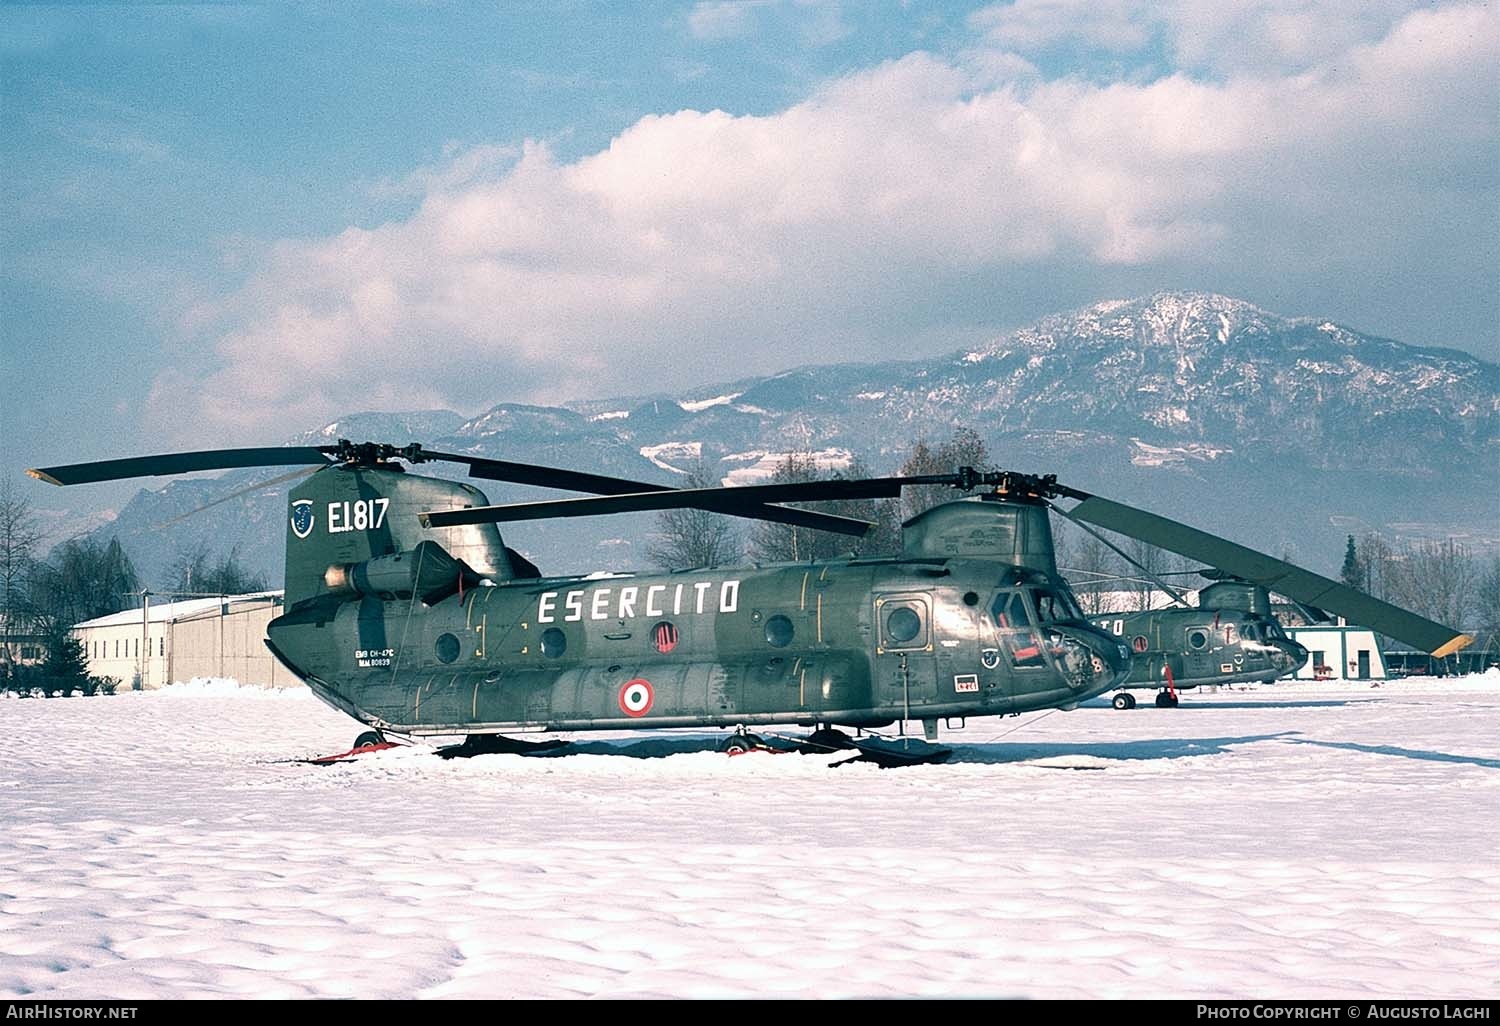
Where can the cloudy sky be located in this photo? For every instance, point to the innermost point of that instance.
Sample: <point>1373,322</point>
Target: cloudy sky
<point>226,224</point>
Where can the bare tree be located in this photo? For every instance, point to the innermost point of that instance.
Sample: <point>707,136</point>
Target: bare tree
<point>694,537</point>
<point>1487,597</point>
<point>19,537</point>
<point>1435,579</point>
<point>1089,564</point>
<point>83,579</point>
<point>785,543</point>
<point>1376,560</point>
<point>1150,561</point>
<point>1487,606</point>
<point>964,448</point>
<point>200,572</point>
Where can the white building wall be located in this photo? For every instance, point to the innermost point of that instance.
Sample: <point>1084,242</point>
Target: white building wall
<point>117,651</point>
<point>1348,653</point>
<point>213,639</point>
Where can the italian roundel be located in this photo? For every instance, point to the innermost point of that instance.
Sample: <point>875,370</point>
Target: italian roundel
<point>302,518</point>
<point>636,697</point>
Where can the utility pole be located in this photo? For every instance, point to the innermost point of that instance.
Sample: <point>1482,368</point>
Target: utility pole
<point>145,659</point>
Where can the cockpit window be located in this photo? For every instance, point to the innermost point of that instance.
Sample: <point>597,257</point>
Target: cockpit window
<point>1052,606</point>
<point>1251,631</point>
<point>1274,631</point>
<point>1013,624</point>
<point>1009,611</point>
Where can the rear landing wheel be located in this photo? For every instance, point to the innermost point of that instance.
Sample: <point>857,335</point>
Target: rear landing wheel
<point>739,744</point>
<point>1166,701</point>
<point>1124,700</point>
<point>369,738</point>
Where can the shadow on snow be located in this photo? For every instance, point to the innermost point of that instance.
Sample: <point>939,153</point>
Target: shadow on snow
<point>1404,753</point>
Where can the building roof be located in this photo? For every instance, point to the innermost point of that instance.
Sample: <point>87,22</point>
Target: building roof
<point>166,612</point>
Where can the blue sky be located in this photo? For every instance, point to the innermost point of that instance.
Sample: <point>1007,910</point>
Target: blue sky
<point>224,224</point>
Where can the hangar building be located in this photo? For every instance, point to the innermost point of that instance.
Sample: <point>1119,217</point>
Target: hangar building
<point>171,642</point>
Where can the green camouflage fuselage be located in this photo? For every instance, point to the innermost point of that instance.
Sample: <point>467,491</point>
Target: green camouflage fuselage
<point>382,627</point>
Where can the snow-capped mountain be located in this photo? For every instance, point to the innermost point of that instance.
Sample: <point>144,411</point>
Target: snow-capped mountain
<point>1282,433</point>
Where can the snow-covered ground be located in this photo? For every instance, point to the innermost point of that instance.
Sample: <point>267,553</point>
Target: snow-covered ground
<point>1293,841</point>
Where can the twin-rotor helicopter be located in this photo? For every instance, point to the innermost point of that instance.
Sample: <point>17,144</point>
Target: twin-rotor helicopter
<point>405,609</point>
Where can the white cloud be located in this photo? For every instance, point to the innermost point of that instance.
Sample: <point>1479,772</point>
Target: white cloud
<point>699,246</point>
<point>1027,25</point>
<point>722,19</point>
<point>1224,36</point>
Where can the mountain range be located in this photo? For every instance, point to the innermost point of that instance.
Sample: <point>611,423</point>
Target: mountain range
<point>1285,434</point>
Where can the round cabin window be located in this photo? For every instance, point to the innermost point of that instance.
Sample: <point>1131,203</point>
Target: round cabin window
<point>447,648</point>
<point>1198,639</point>
<point>779,631</point>
<point>664,637</point>
<point>1139,643</point>
<point>903,625</point>
<point>554,642</point>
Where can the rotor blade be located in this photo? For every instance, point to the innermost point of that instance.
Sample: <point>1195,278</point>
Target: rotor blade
<point>589,507</point>
<point>546,477</point>
<point>1258,568</point>
<point>748,502</point>
<point>599,484</point>
<point>236,494</point>
<point>182,463</point>
<point>1127,557</point>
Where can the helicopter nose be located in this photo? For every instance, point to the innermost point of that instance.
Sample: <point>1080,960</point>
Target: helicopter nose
<point>1094,660</point>
<point>1289,657</point>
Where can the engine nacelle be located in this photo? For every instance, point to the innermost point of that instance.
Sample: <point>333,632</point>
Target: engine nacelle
<point>427,571</point>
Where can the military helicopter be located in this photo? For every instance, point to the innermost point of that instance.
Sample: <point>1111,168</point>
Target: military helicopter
<point>405,609</point>
<point>1230,637</point>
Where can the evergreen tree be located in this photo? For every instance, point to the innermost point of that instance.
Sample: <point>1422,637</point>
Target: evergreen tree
<point>1353,573</point>
<point>67,670</point>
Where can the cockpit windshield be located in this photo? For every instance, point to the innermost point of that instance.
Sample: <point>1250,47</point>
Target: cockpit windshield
<point>1052,606</point>
<point>1009,611</point>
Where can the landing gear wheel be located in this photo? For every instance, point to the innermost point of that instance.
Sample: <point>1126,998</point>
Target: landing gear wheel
<point>368,739</point>
<point>1124,700</point>
<point>1166,701</point>
<point>739,744</point>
